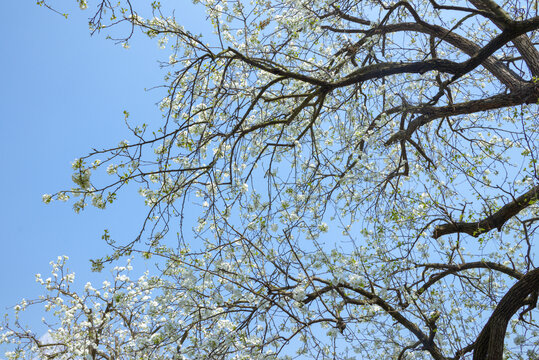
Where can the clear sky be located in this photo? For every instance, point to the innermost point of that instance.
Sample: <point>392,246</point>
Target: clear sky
<point>62,94</point>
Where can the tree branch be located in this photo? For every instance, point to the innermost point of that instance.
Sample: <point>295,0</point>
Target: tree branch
<point>525,95</point>
<point>453,269</point>
<point>522,43</point>
<point>376,71</point>
<point>496,67</point>
<point>494,221</point>
<point>490,342</point>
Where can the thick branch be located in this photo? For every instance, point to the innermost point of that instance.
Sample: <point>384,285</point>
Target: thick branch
<point>497,68</point>
<point>489,344</point>
<point>432,348</point>
<point>494,221</point>
<point>522,43</point>
<point>453,269</point>
<point>377,71</point>
<point>525,95</point>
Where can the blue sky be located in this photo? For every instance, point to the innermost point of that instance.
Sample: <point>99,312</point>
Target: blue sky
<point>62,94</point>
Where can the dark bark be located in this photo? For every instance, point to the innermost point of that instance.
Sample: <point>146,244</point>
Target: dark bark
<point>505,75</point>
<point>522,43</point>
<point>513,30</point>
<point>525,95</point>
<point>494,221</point>
<point>450,269</point>
<point>377,71</point>
<point>490,343</point>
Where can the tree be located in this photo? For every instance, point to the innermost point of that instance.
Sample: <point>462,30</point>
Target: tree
<point>362,174</point>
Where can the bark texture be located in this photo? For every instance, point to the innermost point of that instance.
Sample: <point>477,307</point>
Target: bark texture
<point>490,343</point>
<point>494,221</point>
